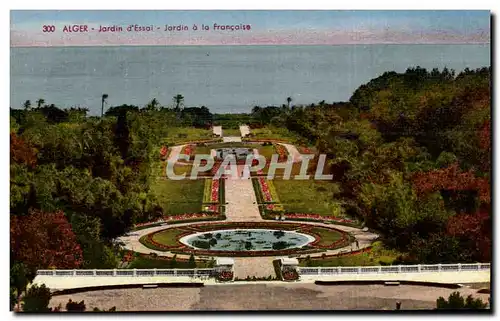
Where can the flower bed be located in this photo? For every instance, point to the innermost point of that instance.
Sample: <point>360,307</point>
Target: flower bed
<point>189,150</point>
<point>163,152</point>
<point>181,217</point>
<point>290,275</point>
<point>128,257</point>
<point>282,152</point>
<point>269,194</point>
<point>248,253</point>
<point>266,193</point>
<point>317,217</point>
<point>181,248</point>
<point>225,276</point>
<point>211,195</point>
<point>344,240</point>
<point>214,195</point>
<point>216,167</point>
<point>323,257</point>
<point>264,187</point>
<point>304,150</point>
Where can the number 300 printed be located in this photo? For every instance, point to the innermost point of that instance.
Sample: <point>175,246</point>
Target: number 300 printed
<point>46,28</point>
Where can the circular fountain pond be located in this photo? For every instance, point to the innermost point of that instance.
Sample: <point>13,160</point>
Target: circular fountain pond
<point>246,240</point>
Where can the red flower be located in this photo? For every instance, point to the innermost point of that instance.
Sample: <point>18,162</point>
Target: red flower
<point>225,276</point>
<point>163,151</point>
<point>265,189</point>
<point>290,275</point>
<point>318,217</point>
<point>214,196</point>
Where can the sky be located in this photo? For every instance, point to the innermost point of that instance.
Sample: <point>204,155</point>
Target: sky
<point>266,27</point>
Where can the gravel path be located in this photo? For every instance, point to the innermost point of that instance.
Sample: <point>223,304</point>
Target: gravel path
<point>283,296</point>
<point>245,130</point>
<point>231,139</point>
<point>253,266</point>
<point>293,152</point>
<point>217,130</point>
<point>241,201</point>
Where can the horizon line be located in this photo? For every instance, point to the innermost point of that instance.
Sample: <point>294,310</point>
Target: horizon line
<point>255,45</point>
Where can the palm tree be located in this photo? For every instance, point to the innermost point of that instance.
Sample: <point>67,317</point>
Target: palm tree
<point>152,104</point>
<point>40,102</point>
<point>289,100</point>
<point>178,99</point>
<point>103,99</point>
<point>27,105</point>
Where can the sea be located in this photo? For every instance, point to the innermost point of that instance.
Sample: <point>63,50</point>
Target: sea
<point>226,79</point>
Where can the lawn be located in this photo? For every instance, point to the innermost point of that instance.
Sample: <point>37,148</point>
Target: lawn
<point>378,256</point>
<point>230,132</point>
<point>177,135</point>
<point>271,132</point>
<point>308,196</point>
<point>179,196</point>
<point>267,151</point>
<point>168,237</point>
<point>327,236</point>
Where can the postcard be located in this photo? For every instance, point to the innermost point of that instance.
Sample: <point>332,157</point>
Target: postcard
<point>250,160</point>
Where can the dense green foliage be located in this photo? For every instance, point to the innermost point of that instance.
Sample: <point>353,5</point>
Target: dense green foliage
<point>410,154</point>
<point>78,182</point>
<point>36,299</point>
<point>456,301</point>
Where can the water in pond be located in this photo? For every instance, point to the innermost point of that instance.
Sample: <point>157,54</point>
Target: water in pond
<point>247,240</point>
<point>239,153</point>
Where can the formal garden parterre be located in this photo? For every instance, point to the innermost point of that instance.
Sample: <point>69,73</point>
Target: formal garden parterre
<point>168,240</point>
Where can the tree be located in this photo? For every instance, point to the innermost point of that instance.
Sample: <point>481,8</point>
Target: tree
<point>19,279</point>
<point>103,100</point>
<point>22,152</point>
<point>74,306</point>
<point>95,252</point>
<point>37,299</point>
<point>122,133</point>
<point>41,240</point>
<point>288,101</point>
<point>173,262</point>
<point>40,102</point>
<point>192,262</point>
<point>456,301</point>
<point>178,100</point>
<point>27,105</point>
<point>153,104</point>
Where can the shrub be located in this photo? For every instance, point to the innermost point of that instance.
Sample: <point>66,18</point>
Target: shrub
<point>280,245</point>
<point>73,306</point>
<point>173,262</point>
<point>192,262</point>
<point>201,244</point>
<point>37,299</point>
<point>456,301</point>
<point>278,234</point>
<point>248,245</point>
